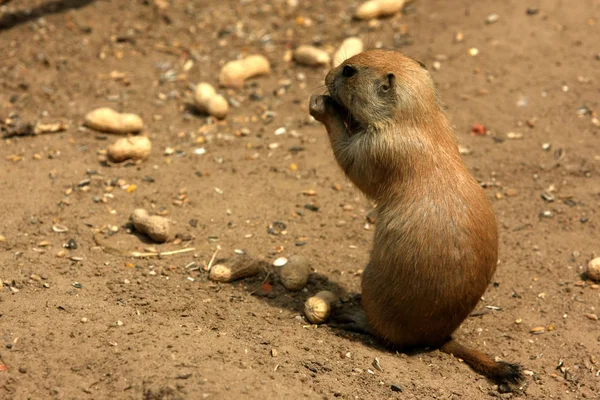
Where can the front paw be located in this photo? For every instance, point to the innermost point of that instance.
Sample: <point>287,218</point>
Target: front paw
<point>317,107</point>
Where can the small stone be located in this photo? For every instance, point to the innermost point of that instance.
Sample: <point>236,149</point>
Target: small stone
<point>83,320</point>
<point>538,330</point>
<point>592,317</point>
<point>23,370</point>
<point>274,352</point>
<point>547,197</point>
<point>377,365</point>
<point>396,388</point>
<point>492,18</point>
<point>532,11</point>
<point>593,269</point>
<point>35,277</point>
<point>280,262</point>
<point>119,323</point>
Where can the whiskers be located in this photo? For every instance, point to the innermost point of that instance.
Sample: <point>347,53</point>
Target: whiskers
<point>320,89</point>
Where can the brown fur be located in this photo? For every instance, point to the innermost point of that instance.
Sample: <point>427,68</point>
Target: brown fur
<point>436,242</point>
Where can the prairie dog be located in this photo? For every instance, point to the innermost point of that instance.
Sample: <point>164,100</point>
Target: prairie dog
<point>435,246</point>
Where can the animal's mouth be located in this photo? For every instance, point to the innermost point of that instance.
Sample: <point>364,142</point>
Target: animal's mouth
<point>353,126</point>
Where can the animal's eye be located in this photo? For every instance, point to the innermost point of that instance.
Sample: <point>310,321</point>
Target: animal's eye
<point>348,71</point>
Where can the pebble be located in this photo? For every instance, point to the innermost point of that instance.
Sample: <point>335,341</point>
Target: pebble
<point>377,365</point>
<point>396,388</point>
<point>593,269</point>
<point>538,330</point>
<point>492,18</point>
<point>532,11</point>
<point>280,262</point>
<point>83,320</point>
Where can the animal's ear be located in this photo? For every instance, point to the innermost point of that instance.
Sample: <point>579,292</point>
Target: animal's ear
<point>390,81</point>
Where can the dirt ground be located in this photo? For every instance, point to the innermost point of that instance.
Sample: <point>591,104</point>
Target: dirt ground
<point>85,323</point>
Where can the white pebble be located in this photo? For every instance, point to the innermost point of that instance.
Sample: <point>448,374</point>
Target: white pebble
<point>280,262</point>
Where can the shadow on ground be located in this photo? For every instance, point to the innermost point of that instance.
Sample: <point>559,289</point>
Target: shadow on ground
<point>10,20</point>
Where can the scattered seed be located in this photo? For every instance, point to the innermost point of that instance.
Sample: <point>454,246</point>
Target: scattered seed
<point>59,228</point>
<point>492,18</point>
<point>280,262</point>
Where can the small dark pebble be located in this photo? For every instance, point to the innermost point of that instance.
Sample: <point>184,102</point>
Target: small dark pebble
<point>148,179</point>
<point>396,388</point>
<point>256,96</point>
<point>23,370</point>
<point>186,237</point>
<point>101,137</point>
<point>301,243</point>
<point>547,197</point>
<point>583,220</point>
<point>276,228</point>
<point>296,149</point>
<point>193,223</point>
<point>311,207</point>
<point>199,174</point>
<point>532,11</point>
<point>570,203</point>
<point>71,244</point>
<point>311,367</point>
<point>77,285</point>
<point>497,139</point>
<point>184,376</point>
<point>9,345</point>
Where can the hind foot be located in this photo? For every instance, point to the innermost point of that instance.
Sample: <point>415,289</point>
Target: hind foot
<point>351,318</point>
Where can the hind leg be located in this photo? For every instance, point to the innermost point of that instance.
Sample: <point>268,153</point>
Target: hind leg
<point>351,317</point>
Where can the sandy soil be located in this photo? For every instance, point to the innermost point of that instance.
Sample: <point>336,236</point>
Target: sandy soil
<point>83,323</point>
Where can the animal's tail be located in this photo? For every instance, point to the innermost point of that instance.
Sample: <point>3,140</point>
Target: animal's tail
<point>499,372</point>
